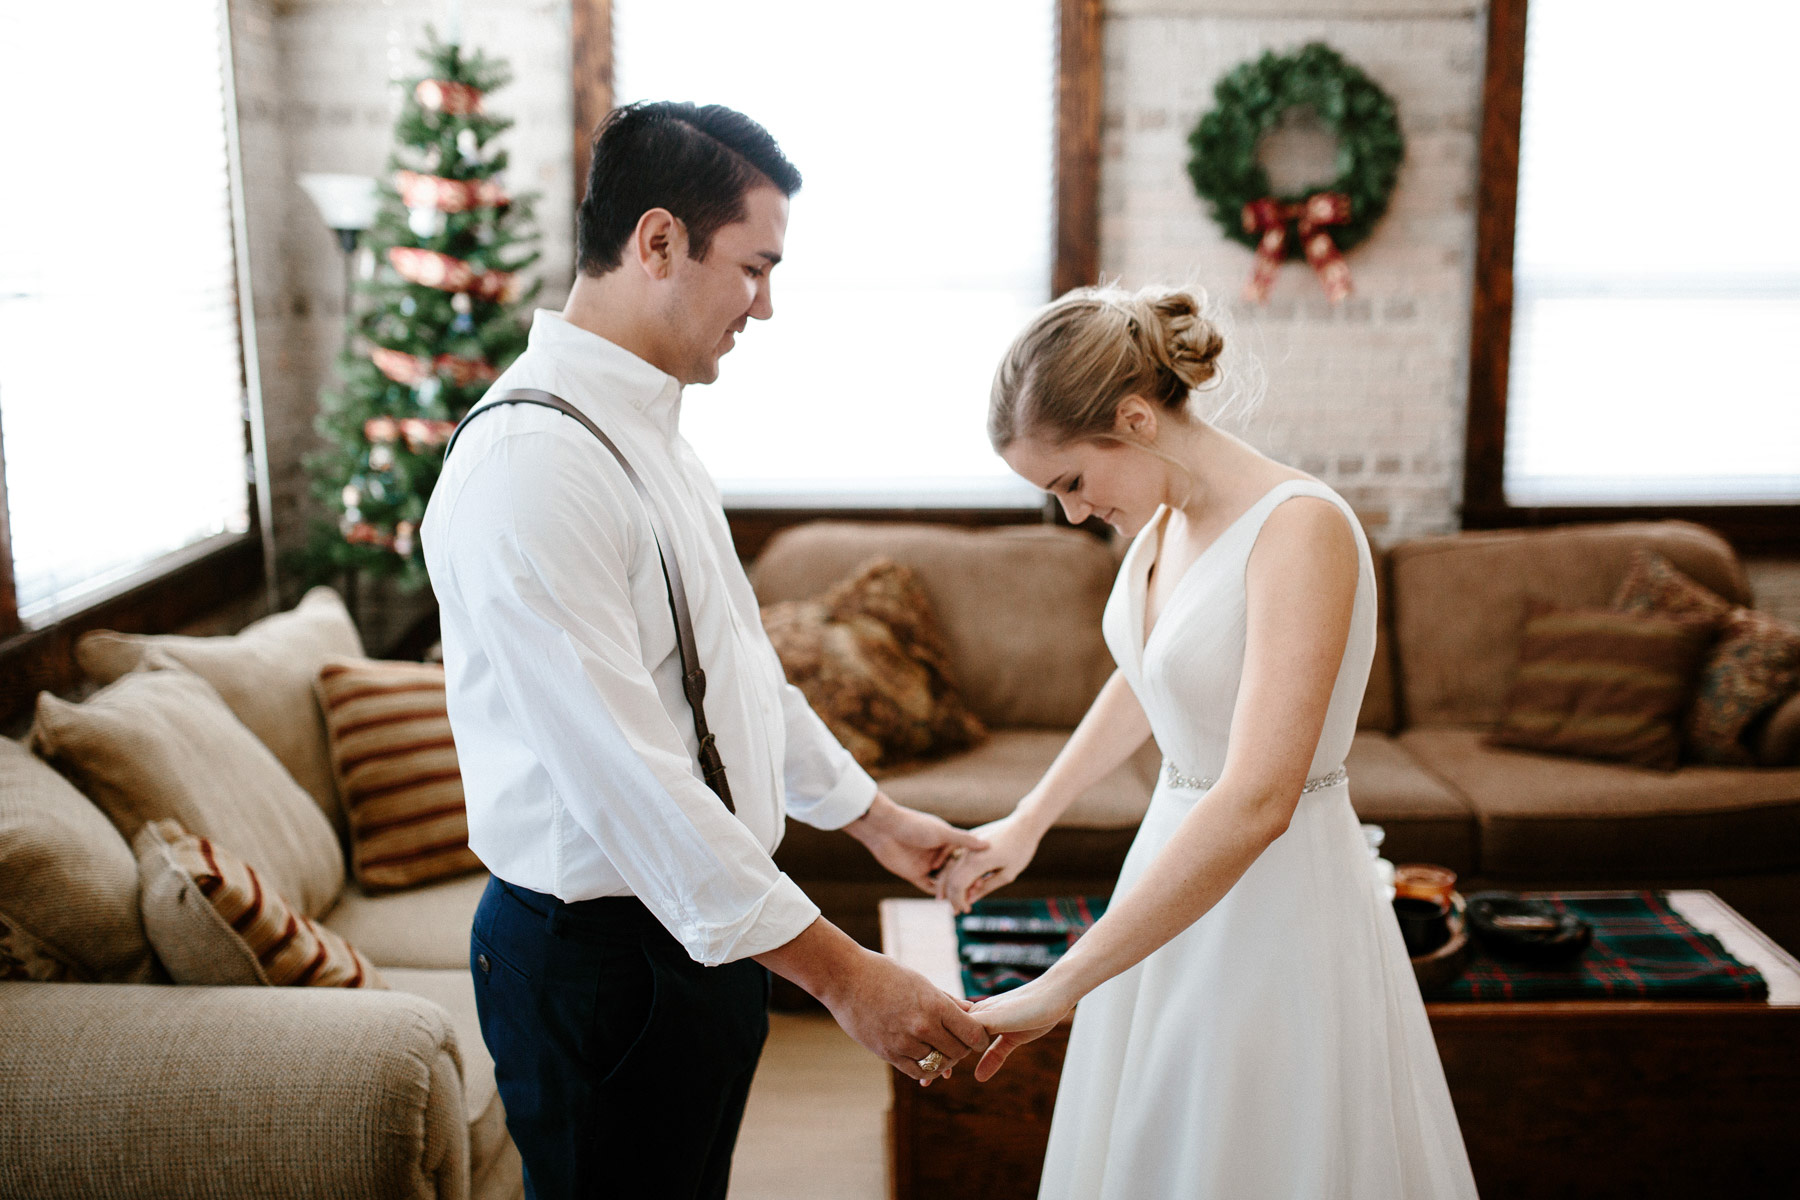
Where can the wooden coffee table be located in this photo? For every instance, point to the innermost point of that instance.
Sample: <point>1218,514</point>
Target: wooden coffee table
<point>1575,1098</point>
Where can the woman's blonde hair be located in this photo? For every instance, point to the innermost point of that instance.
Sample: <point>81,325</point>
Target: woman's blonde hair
<point>1083,353</point>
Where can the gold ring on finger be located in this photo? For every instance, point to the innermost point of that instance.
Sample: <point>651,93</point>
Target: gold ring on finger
<point>932,1063</point>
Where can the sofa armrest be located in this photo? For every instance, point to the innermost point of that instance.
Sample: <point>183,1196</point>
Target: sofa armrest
<point>116,1090</point>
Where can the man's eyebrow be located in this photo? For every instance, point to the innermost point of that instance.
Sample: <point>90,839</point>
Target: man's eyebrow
<point>773,258</point>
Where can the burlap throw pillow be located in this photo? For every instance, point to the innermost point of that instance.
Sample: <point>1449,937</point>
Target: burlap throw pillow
<point>397,771</point>
<point>68,883</point>
<point>871,660</point>
<point>159,743</point>
<point>1602,684</point>
<point>264,674</point>
<point>213,920</point>
<point>1753,667</point>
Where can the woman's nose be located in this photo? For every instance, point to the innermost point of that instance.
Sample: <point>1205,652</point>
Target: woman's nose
<point>1076,510</point>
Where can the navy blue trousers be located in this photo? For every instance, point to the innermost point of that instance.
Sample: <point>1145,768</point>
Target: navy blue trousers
<point>623,1064</point>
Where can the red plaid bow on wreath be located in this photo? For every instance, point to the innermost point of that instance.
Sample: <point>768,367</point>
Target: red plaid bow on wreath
<point>1270,218</point>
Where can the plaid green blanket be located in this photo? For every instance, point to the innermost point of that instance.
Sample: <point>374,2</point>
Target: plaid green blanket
<point>1043,929</point>
<point>1642,949</point>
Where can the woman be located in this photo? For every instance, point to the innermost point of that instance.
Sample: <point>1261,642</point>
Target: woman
<point>1249,1023</point>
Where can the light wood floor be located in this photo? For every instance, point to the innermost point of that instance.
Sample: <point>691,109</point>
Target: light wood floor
<point>816,1127</point>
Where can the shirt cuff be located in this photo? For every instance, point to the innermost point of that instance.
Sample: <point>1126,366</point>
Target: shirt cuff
<point>781,915</point>
<point>848,799</point>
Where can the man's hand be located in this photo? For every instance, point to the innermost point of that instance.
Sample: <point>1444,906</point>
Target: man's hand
<point>911,844</point>
<point>894,1012</point>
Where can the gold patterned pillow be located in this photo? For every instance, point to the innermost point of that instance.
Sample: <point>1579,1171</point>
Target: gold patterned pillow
<point>1752,669</point>
<point>870,658</point>
<point>396,769</point>
<point>214,921</point>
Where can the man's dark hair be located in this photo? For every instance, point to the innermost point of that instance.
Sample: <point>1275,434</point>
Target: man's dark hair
<point>696,162</point>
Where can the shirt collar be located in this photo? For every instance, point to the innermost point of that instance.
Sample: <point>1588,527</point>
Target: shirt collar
<point>614,370</point>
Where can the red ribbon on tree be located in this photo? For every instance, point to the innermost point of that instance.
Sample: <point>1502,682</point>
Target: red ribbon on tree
<point>448,195</point>
<point>1270,218</point>
<point>447,96</point>
<point>434,270</point>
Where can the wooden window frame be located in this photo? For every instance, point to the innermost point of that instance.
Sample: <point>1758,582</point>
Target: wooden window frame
<point>1076,236</point>
<point>1752,528</point>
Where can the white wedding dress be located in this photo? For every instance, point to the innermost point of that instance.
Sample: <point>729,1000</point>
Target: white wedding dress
<point>1277,1047</point>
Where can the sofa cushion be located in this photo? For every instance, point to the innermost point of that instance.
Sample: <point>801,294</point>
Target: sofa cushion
<point>1019,605</point>
<point>214,922</point>
<point>422,927</point>
<point>985,783</point>
<point>1381,702</point>
<point>160,743</point>
<point>1543,817</point>
<point>1460,602</point>
<point>1778,745</point>
<point>1602,684</point>
<point>1425,819</point>
<point>397,772</point>
<point>1754,666</point>
<point>870,659</point>
<point>494,1167</point>
<point>68,883</point>
<point>264,674</point>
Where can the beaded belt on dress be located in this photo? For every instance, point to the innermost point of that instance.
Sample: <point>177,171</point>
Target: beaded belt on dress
<point>1202,782</point>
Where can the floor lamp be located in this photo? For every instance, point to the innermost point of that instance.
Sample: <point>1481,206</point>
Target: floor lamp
<point>348,203</point>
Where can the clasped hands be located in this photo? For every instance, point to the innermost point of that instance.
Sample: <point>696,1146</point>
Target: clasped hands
<point>961,866</point>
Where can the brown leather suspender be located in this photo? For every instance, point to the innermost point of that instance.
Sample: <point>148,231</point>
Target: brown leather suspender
<point>693,679</point>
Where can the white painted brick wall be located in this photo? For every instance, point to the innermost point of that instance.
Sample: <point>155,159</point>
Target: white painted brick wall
<point>1368,395</point>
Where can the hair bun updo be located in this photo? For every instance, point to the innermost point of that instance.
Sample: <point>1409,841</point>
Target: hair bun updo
<point>1174,332</point>
<point>1067,372</point>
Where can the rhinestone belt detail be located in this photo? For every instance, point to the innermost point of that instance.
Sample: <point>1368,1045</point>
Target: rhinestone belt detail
<point>1201,782</point>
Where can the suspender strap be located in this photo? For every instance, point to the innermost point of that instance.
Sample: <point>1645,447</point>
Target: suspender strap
<point>693,679</point>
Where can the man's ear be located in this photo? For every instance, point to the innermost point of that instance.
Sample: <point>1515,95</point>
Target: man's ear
<point>1135,418</point>
<point>658,238</point>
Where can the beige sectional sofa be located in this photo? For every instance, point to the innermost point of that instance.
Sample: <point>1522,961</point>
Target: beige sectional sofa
<point>1020,608</point>
<point>113,1083</point>
<point>130,1087</point>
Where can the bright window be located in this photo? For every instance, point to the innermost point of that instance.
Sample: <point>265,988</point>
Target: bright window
<point>1656,304</point>
<point>916,249</point>
<point>121,383</point>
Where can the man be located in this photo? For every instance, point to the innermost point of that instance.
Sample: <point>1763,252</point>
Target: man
<point>621,953</point>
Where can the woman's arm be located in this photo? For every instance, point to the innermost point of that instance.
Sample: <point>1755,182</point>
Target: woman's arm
<point>1113,729</point>
<point>1301,589</point>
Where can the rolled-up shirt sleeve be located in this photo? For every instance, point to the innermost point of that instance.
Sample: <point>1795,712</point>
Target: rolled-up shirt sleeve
<point>826,787</point>
<point>540,561</point>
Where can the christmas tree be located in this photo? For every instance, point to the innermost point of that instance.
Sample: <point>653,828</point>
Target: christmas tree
<point>441,316</point>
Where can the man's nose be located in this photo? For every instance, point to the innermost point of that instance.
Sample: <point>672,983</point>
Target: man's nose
<point>763,307</point>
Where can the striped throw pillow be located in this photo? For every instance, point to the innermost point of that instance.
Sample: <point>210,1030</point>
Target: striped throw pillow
<point>1602,684</point>
<point>396,771</point>
<point>214,921</point>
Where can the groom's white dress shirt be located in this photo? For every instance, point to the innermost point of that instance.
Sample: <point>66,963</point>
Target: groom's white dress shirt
<point>576,744</point>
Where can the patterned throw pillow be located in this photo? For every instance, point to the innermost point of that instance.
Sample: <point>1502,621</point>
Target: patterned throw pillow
<point>24,957</point>
<point>1603,684</point>
<point>1753,667</point>
<point>871,661</point>
<point>213,921</point>
<point>396,769</point>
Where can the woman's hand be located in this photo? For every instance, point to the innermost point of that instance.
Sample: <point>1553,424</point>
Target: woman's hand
<point>970,875</point>
<point>1019,1016</point>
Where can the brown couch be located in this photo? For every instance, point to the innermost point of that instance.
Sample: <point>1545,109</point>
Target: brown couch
<point>1021,611</point>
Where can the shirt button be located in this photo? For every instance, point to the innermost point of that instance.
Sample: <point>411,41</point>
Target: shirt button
<point>482,962</point>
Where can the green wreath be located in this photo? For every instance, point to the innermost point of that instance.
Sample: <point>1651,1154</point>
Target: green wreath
<point>1252,98</point>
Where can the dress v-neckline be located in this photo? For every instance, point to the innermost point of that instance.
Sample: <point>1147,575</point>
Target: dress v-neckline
<point>1144,630</point>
